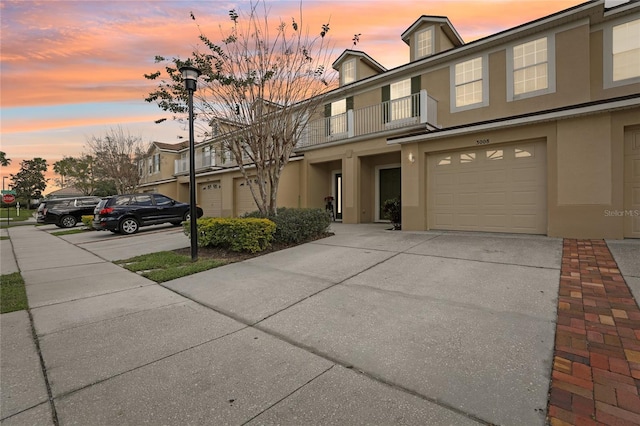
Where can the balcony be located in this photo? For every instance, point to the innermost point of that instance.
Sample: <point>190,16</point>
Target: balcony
<point>419,108</point>
<point>203,161</point>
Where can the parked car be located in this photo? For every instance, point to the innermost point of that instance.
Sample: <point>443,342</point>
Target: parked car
<point>65,212</point>
<point>127,213</point>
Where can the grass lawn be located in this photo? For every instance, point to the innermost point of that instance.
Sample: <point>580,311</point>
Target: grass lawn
<point>13,215</point>
<point>168,265</point>
<point>13,296</point>
<point>69,232</point>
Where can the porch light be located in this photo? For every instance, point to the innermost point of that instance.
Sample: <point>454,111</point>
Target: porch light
<point>411,157</point>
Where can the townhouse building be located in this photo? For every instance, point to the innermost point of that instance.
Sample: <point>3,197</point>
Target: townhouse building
<point>535,129</point>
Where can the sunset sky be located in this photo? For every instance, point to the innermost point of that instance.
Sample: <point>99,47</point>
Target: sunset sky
<point>73,69</point>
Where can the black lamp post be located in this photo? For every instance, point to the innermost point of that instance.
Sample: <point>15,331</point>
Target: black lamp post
<point>190,76</point>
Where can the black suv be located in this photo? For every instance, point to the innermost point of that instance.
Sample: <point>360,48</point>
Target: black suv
<point>127,213</point>
<point>65,212</point>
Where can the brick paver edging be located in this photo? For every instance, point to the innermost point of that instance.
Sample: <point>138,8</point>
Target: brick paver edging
<point>596,366</point>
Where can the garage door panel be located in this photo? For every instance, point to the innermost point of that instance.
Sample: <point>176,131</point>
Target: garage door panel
<point>444,200</point>
<point>444,220</point>
<point>466,220</point>
<point>494,176</point>
<point>211,199</point>
<point>468,199</point>
<point>632,183</point>
<point>465,178</point>
<point>497,221</point>
<point>445,179</point>
<point>497,188</point>
<point>494,199</point>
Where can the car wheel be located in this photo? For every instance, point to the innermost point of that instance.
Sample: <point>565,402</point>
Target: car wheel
<point>68,221</point>
<point>129,226</point>
<point>187,216</point>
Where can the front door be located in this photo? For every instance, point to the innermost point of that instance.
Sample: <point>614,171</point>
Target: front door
<point>389,187</point>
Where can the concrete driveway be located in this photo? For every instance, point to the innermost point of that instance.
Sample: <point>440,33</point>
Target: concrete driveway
<point>365,327</point>
<point>463,321</point>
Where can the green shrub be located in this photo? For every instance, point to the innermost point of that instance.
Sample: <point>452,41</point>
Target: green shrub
<point>294,226</point>
<point>392,210</point>
<point>236,234</point>
<point>87,221</point>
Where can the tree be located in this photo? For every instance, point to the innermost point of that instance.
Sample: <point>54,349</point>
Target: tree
<point>115,158</point>
<point>76,172</point>
<point>258,89</point>
<point>29,182</point>
<point>62,168</point>
<point>4,161</point>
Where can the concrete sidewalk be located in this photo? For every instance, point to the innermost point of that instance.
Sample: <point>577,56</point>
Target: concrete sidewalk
<point>365,327</point>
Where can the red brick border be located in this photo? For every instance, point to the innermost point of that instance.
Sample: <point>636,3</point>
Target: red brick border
<point>596,366</point>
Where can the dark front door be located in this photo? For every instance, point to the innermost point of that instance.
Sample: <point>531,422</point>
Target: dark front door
<point>390,187</point>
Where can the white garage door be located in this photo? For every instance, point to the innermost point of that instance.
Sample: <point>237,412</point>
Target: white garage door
<point>243,199</point>
<point>632,184</point>
<point>211,199</point>
<point>499,188</point>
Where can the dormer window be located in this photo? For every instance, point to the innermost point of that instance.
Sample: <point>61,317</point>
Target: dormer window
<point>348,73</point>
<point>424,43</point>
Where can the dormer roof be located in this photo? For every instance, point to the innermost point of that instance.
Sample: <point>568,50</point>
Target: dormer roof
<point>447,27</point>
<point>362,56</point>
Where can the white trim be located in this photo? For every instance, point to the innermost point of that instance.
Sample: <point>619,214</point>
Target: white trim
<point>417,54</point>
<point>607,54</point>
<point>551,67</point>
<point>334,195</point>
<point>485,85</point>
<point>551,116</point>
<point>377,188</point>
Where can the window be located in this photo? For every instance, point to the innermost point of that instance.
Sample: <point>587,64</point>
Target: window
<point>400,101</point>
<point>424,43</point>
<point>532,68</point>
<point>469,81</point>
<point>523,153</point>
<point>445,161</point>
<point>495,154</point>
<point>161,200</point>
<point>142,200</point>
<point>338,117</point>
<point>622,53</point>
<point>156,163</point>
<point>467,158</point>
<point>348,71</point>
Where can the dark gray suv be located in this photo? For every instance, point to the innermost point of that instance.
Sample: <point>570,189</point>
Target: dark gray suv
<point>65,212</point>
<point>127,213</point>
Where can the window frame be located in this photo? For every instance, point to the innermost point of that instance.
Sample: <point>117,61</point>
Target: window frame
<point>484,79</point>
<point>343,73</point>
<point>551,68</point>
<point>607,55</point>
<point>417,53</point>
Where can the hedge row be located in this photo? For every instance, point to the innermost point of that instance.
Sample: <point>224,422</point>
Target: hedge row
<point>236,234</point>
<point>295,226</point>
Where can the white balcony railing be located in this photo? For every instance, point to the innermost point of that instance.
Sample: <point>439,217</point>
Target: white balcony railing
<point>419,108</point>
<point>204,160</point>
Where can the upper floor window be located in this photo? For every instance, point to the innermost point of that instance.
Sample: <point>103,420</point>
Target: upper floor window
<point>338,117</point>
<point>470,82</point>
<point>348,73</point>
<point>156,163</point>
<point>622,53</point>
<point>424,43</point>
<point>532,68</point>
<point>400,99</point>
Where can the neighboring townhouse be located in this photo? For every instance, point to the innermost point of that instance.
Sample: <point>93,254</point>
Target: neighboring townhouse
<point>533,130</point>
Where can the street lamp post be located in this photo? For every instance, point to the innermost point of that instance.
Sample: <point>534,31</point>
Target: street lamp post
<point>190,76</point>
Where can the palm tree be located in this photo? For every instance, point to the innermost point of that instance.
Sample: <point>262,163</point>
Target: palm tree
<point>4,161</point>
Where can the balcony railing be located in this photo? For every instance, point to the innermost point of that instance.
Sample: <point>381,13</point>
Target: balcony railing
<point>204,160</point>
<point>419,108</point>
